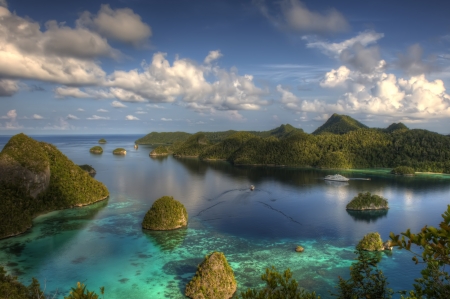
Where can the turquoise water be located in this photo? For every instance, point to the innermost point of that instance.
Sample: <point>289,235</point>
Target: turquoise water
<point>104,245</point>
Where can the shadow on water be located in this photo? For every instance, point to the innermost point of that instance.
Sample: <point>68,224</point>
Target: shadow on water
<point>159,159</point>
<point>368,215</point>
<point>167,240</point>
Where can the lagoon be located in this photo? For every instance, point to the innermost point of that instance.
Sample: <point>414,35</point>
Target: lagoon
<point>104,245</point>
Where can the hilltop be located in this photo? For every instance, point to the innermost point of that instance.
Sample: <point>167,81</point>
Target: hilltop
<point>339,124</point>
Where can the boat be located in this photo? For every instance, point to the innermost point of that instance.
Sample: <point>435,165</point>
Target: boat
<point>252,187</point>
<point>336,177</point>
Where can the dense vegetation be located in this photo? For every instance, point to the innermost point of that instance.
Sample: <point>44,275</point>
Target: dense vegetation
<point>88,168</point>
<point>403,170</point>
<point>339,124</point>
<point>367,201</point>
<point>357,147</point>
<point>119,151</point>
<point>103,140</point>
<point>160,151</point>
<point>163,138</point>
<point>214,279</point>
<point>68,185</point>
<point>166,213</point>
<point>371,242</point>
<point>96,149</point>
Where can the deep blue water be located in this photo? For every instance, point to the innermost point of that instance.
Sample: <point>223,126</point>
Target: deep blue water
<point>104,245</point>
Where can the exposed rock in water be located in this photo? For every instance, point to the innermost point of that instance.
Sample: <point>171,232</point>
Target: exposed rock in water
<point>299,248</point>
<point>214,279</point>
<point>166,213</point>
<point>373,242</point>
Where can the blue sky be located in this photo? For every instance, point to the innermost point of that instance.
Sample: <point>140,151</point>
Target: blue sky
<point>135,66</point>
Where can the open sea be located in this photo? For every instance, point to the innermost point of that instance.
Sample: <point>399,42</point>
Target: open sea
<point>104,245</point>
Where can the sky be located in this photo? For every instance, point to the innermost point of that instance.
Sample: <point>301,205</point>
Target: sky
<point>138,66</point>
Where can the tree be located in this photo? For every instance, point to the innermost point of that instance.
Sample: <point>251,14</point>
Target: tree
<point>80,292</point>
<point>278,286</point>
<point>366,280</point>
<point>435,242</point>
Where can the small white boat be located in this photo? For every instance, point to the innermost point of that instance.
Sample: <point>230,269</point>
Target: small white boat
<point>336,177</point>
<point>252,187</point>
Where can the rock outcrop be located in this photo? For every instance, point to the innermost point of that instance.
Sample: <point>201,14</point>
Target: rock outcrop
<point>166,213</point>
<point>373,242</point>
<point>214,279</point>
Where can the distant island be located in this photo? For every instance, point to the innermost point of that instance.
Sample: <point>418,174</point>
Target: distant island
<point>35,177</point>
<point>103,140</point>
<point>119,151</point>
<point>96,149</point>
<point>341,142</point>
<point>160,151</point>
<point>367,201</point>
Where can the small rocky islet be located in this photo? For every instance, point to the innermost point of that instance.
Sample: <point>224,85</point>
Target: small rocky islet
<point>166,213</point>
<point>373,242</point>
<point>367,201</point>
<point>96,149</point>
<point>120,151</point>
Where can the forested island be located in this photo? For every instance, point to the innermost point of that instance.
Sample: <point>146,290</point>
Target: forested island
<point>35,177</point>
<point>341,142</point>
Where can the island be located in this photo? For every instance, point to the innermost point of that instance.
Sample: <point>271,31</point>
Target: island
<point>341,142</point>
<point>160,151</point>
<point>119,151</point>
<point>373,242</point>
<point>35,178</point>
<point>96,149</point>
<point>367,201</point>
<point>166,213</point>
<point>88,168</point>
<point>403,170</point>
<point>214,279</point>
<point>101,141</point>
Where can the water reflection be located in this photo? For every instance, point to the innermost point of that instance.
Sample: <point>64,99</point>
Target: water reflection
<point>368,215</point>
<point>336,184</point>
<point>167,240</point>
<point>159,158</point>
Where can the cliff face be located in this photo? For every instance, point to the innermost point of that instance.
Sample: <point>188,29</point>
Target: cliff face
<point>35,177</point>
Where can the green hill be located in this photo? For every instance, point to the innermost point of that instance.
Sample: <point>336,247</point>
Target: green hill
<point>339,124</point>
<point>163,138</point>
<point>35,177</point>
<point>395,127</point>
<point>226,148</point>
<point>193,146</point>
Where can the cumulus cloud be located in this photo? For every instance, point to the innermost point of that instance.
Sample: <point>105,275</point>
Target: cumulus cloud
<point>8,87</point>
<point>141,112</point>
<point>72,92</point>
<point>166,119</point>
<point>117,104</point>
<point>119,24</point>
<point>102,110</point>
<point>11,116</point>
<point>96,117</point>
<point>72,117</point>
<point>296,16</point>
<point>80,109</point>
<point>131,117</point>
<point>213,55</point>
<point>412,64</point>
<point>37,116</point>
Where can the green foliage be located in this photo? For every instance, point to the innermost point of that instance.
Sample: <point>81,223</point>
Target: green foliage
<point>334,160</point>
<point>166,213</point>
<point>11,288</point>
<point>163,138</point>
<point>367,201</point>
<point>26,151</point>
<point>69,186</point>
<point>370,242</point>
<point>214,279</point>
<point>403,170</point>
<point>365,281</point>
<point>193,146</point>
<point>278,286</point>
<point>435,242</point>
<point>225,149</point>
<point>160,150</point>
<point>80,292</point>
<point>119,151</point>
<point>339,124</point>
<point>88,168</point>
<point>396,126</point>
<point>102,140</point>
<point>96,149</point>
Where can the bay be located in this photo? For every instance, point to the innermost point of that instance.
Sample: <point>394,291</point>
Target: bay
<point>104,245</point>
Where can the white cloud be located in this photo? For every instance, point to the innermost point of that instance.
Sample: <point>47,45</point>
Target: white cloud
<point>296,16</point>
<point>11,115</point>
<point>119,24</point>
<point>80,109</point>
<point>213,55</point>
<point>117,104</point>
<point>37,116</point>
<point>141,112</point>
<point>73,92</point>
<point>73,117</point>
<point>412,63</point>
<point>154,106</point>
<point>96,117</point>
<point>131,117</point>
<point>102,110</point>
<point>8,87</point>
<point>166,119</point>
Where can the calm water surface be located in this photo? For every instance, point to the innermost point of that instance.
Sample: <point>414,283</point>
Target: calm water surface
<point>104,245</point>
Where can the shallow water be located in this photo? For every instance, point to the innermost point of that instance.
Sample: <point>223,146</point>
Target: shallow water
<point>104,245</point>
